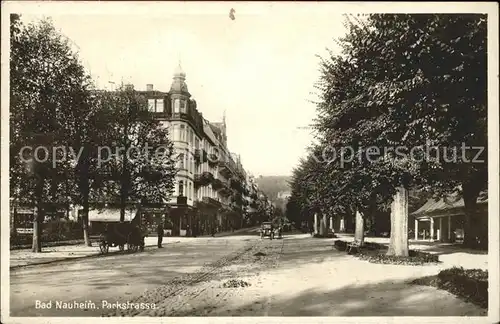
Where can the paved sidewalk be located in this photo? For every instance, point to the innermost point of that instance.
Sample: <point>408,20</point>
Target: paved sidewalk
<point>20,258</point>
<point>24,257</point>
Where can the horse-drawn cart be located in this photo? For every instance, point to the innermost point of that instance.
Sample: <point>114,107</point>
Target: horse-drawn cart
<point>121,234</point>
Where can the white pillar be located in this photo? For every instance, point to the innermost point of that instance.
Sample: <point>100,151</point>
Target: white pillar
<point>331,223</point>
<point>440,230</point>
<point>449,228</point>
<point>315,223</point>
<point>342,225</point>
<point>416,229</point>
<point>432,230</point>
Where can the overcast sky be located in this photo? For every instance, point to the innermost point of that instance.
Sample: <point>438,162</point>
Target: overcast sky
<point>260,68</point>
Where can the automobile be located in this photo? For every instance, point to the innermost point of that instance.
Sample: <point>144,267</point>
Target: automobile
<point>266,229</point>
<point>459,235</point>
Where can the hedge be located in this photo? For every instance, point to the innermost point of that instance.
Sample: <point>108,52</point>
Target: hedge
<point>470,285</point>
<point>378,254</point>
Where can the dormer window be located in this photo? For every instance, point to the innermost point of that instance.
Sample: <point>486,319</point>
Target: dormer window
<point>183,106</point>
<point>159,105</point>
<point>151,105</point>
<point>177,105</point>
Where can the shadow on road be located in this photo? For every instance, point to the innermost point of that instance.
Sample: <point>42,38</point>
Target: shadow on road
<point>386,298</point>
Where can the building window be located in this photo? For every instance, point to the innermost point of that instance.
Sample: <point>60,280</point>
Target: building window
<point>151,105</point>
<point>176,132</point>
<point>159,105</point>
<point>181,163</point>
<point>183,133</point>
<point>190,191</point>
<point>176,105</point>
<point>192,137</point>
<point>181,188</point>
<point>183,106</point>
<point>197,143</point>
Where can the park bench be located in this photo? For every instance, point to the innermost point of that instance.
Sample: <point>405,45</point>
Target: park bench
<point>356,245</point>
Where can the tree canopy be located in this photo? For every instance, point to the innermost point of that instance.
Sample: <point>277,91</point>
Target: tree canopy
<point>398,85</point>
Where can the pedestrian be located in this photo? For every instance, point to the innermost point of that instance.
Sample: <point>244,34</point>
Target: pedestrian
<point>159,232</point>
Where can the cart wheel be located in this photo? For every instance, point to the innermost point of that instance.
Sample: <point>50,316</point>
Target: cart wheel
<point>271,236</point>
<point>103,247</point>
<point>121,247</point>
<point>132,247</point>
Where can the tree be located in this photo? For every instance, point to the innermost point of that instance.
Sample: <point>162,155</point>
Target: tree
<point>46,78</point>
<point>140,160</point>
<point>90,128</point>
<point>393,86</point>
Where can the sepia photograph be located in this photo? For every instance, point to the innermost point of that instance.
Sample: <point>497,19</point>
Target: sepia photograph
<point>333,162</point>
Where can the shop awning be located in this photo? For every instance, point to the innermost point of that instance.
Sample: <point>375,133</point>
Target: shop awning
<point>110,215</point>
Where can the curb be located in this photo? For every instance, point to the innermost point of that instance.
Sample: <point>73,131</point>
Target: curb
<point>89,256</point>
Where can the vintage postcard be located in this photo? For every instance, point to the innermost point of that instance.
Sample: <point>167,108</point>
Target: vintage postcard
<point>250,162</point>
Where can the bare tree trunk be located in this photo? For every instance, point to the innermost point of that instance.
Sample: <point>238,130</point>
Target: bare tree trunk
<point>85,216</point>
<point>398,245</point>
<point>359,230</point>
<point>322,225</point>
<point>85,225</point>
<point>316,227</point>
<point>37,230</point>
<point>471,234</point>
<point>38,217</point>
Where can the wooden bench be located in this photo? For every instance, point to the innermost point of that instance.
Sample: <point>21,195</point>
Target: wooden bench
<point>353,245</point>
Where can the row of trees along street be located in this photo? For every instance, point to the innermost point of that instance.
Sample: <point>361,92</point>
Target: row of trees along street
<point>53,103</point>
<point>399,81</point>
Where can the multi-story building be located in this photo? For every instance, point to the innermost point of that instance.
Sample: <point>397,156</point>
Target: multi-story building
<point>210,187</point>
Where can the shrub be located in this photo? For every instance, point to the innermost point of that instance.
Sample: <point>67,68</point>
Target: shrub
<point>340,245</point>
<point>53,231</point>
<point>471,285</point>
<point>420,258</point>
<point>329,235</point>
<point>375,253</point>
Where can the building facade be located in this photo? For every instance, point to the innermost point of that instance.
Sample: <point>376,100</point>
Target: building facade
<point>212,189</point>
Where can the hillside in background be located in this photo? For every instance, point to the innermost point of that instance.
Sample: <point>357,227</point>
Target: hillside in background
<point>272,186</point>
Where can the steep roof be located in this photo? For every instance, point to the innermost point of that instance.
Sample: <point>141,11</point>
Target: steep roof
<point>454,201</point>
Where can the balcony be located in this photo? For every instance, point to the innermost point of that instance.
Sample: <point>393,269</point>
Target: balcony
<point>226,168</point>
<point>213,160</point>
<point>254,205</point>
<point>237,200</point>
<point>217,184</point>
<point>210,201</point>
<point>203,179</point>
<point>200,156</point>
<point>181,200</point>
<point>225,191</point>
<point>237,185</point>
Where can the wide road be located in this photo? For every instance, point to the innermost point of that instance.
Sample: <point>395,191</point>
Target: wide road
<point>240,275</point>
<point>116,278</point>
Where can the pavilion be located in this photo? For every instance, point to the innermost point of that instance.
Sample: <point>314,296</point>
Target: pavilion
<point>443,220</point>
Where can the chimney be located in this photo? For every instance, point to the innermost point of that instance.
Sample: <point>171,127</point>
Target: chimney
<point>149,87</point>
